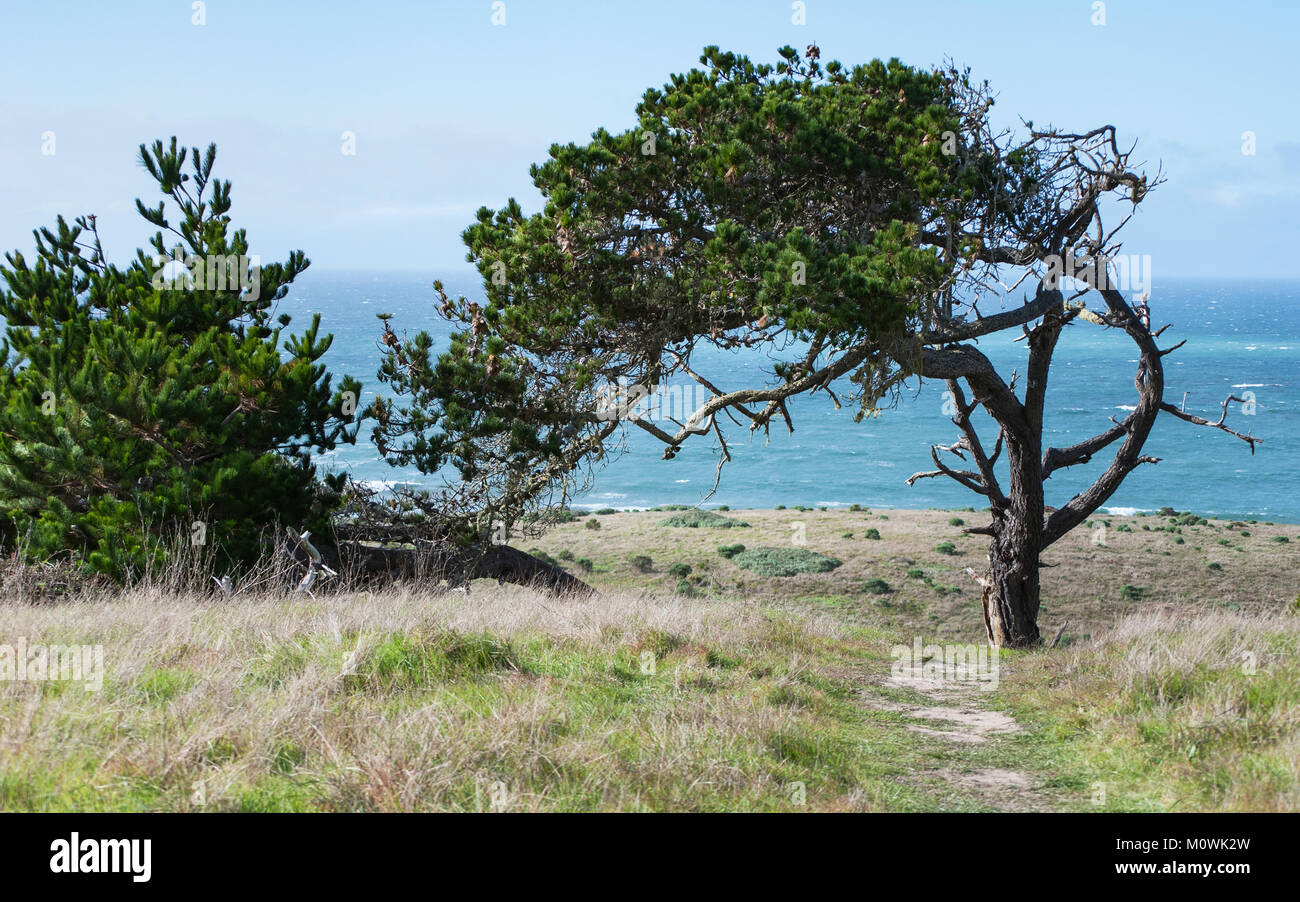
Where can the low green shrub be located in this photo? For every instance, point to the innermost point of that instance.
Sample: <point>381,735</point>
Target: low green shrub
<point>694,519</point>
<point>771,561</point>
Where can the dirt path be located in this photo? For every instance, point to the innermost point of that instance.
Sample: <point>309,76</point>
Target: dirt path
<point>956,713</point>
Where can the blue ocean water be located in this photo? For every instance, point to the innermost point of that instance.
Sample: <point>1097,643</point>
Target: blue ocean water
<point>1243,336</point>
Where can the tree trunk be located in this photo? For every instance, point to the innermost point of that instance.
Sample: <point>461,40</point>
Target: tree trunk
<point>1011,587</point>
<point>500,562</point>
<point>506,564</point>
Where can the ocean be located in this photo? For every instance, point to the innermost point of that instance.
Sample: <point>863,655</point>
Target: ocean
<point>1243,338</point>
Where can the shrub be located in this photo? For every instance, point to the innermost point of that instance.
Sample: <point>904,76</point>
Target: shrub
<point>1281,539</point>
<point>730,551</point>
<point>684,587</point>
<point>771,561</point>
<point>138,401</point>
<point>680,570</point>
<point>916,573</point>
<point>642,563</point>
<point>871,533</point>
<point>1132,593</point>
<point>1213,566</point>
<point>566,555</point>
<point>946,548</point>
<point>877,586</point>
<point>593,524</point>
<point>694,519</point>
<point>847,535</point>
<point>956,521</point>
<point>606,511</point>
<point>585,564</point>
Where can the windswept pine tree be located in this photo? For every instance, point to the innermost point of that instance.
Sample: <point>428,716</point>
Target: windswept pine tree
<point>859,227</point>
<point>163,399</point>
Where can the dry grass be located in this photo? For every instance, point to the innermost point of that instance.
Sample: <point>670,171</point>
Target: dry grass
<point>1166,712</point>
<point>411,701</point>
<point>1082,581</point>
<point>748,693</point>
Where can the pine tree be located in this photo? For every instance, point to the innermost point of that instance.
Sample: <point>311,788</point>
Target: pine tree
<point>162,398</point>
<point>843,222</point>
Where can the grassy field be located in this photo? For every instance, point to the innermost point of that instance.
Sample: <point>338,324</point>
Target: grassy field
<point>721,687</point>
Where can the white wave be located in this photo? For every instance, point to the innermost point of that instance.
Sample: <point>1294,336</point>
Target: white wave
<point>381,485</point>
<point>1125,511</point>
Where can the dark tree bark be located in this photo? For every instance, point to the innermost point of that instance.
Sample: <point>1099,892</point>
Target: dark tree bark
<point>458,566</point>
<point>505,563</point>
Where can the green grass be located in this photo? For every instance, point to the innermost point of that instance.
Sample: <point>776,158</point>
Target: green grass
<point>1170,715</point>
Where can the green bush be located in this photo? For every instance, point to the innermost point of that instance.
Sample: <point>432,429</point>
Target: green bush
<point>694,519</point>
<point>566,555</point>
<point>642,563</point>
<point>871,533</point>
<point>679,570</point>
<point>606,510</point>
<point>139,406</point>
<point>730,551</point>
<point>593,524</point>
<point>916,573</point>
<point>946,548</point>
<point>1132,593</point>
<point>877,586</point>
<point>774,561</point>
<point>585,564</point>
<point>956,521</point>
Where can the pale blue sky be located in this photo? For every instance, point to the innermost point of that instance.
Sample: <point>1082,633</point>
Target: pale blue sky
<point>449,110</point>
